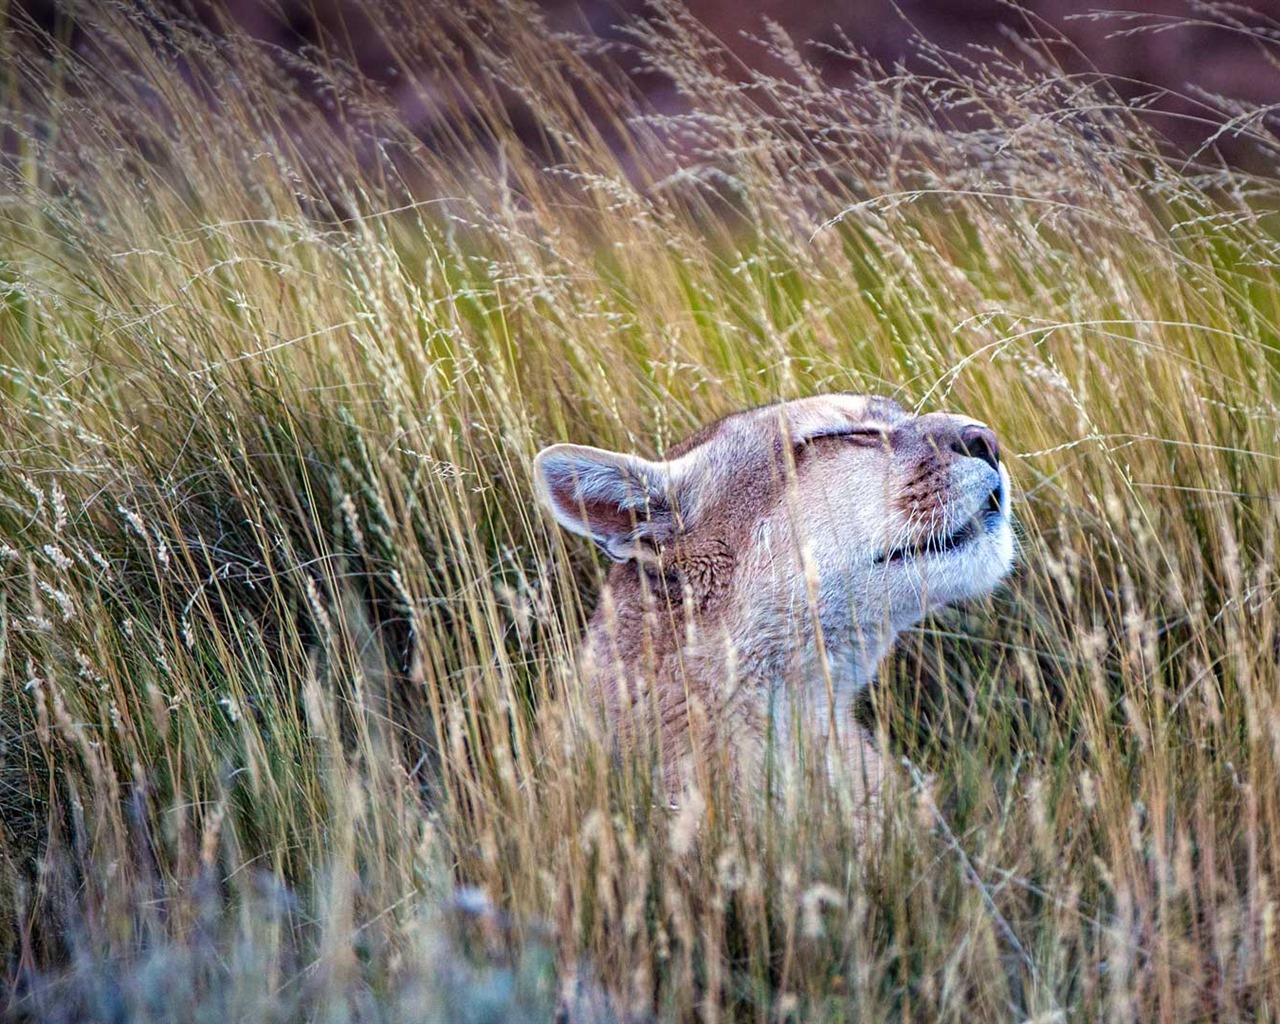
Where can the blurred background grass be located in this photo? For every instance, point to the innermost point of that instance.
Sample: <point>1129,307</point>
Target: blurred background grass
<point>289,726</point>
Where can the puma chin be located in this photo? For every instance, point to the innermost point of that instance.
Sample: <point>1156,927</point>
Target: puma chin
<point>788,545</point>
<point>965,561</point>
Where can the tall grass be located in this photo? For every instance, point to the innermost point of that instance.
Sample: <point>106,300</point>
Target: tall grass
<point>289,723</point>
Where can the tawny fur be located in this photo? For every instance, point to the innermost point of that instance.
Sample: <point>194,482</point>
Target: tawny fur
<point>766,565</point>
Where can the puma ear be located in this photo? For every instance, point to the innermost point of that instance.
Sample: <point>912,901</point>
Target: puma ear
<point>622,502</point>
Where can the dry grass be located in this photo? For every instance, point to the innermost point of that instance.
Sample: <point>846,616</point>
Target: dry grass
<point>287,652</point>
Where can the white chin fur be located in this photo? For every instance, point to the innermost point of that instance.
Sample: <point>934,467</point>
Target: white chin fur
<point>970,571</point>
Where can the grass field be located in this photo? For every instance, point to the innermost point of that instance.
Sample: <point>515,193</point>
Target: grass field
<point>289,725</point>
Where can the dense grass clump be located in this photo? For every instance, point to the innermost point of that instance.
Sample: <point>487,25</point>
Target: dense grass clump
<point>289,726</point>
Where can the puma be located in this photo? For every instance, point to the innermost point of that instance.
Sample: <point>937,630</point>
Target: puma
<point>765,566</point>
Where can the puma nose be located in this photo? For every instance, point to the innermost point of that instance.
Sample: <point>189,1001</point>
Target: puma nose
<point>978,442</point>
